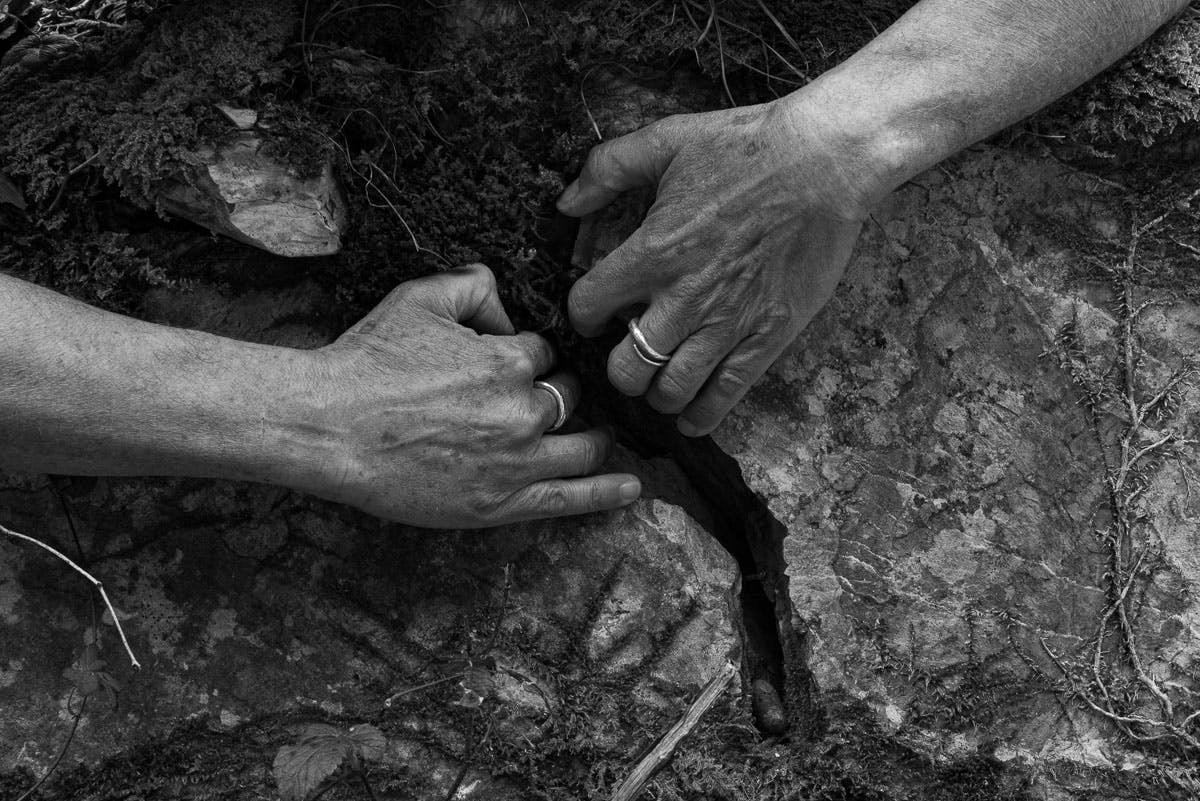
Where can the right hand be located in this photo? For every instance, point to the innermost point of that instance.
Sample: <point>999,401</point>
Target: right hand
<point>435,421</point>
<point>756,213</point>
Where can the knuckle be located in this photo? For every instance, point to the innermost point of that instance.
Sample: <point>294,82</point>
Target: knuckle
<point>597,163</point>
<point>660,245</point>
<point>777,317</point>
<point>483,506</point>
<point>554,497</point>
<point>597,497</point>
<point>521,362</point>
<point>733,383</point>
<point>483,273</point>
<point>530,428</point>
<point>659,134</point>
<point>577,299</point>
<point>671,392</point>
<point>623,378</point>
<point>591,454</point>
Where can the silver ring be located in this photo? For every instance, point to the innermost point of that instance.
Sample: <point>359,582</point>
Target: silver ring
<point>559,401</point>
<point>648,354</point>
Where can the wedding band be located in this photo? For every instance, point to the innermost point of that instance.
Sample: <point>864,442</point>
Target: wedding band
<point>640,346</point>
<point>559,402</point>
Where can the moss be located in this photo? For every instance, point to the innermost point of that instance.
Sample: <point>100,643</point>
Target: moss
<point>1145,100</point>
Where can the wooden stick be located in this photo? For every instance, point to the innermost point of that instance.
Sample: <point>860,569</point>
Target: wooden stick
<point>95,581</point>
<point>662,752</point>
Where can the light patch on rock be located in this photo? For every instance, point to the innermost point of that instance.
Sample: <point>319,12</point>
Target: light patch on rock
<point>8,675</point>
<point>951,419</point>
<point>222,625</point>
<point>230,719</point>
<point>10,592</point>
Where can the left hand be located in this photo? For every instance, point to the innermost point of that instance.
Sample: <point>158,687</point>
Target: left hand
<point>756,214</point>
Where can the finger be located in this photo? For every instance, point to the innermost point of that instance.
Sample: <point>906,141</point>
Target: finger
<point>674,386</point>
<point>570,455</point>
<point>663,330</point>
<point>571,496</point>
<point>547,405</point>
<point>535,356</point>
<point>621,279</point>
<point>466,295</point>
<point>729,383</point>
<point>618,165</point>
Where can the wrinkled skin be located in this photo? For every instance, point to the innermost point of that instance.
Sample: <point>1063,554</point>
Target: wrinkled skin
<point>435,420</point>
<point>755,218</point>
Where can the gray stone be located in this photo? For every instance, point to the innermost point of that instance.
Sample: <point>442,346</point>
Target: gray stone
<point>942,486</point>
<point>240,191</point>
<point>927,445</point>
<point>244,601</point>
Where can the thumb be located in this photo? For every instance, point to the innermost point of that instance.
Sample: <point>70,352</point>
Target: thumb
<point>634,160</point>
<point>467,295</point>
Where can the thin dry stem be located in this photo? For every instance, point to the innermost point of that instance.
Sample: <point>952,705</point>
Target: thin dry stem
<point>664,750</point>
<point>95,582</point>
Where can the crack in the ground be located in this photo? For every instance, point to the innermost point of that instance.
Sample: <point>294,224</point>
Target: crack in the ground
<point>776,665</point>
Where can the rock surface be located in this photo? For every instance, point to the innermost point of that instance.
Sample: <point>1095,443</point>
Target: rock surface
<point>946,496</point>
<point>256,611</point>
<point>243,192</point>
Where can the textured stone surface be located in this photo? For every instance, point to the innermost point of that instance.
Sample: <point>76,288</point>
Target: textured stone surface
<point>242,192</point>
<point>246,601</point>
<point>940,480</point>
<point>944,491</point>
<point>255,611</point>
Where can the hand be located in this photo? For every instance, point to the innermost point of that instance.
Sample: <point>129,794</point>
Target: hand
<point>757,212</point>
<point>436,420</point>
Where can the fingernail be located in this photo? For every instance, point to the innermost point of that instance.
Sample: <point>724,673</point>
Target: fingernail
<point>687,428</point>
<point>567,198</point>
<point>630,491</point>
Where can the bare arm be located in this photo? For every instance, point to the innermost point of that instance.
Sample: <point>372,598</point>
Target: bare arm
<point>425,412</point>
<point>949,73</point>
<point>89,392</point>
<point>758,208</point>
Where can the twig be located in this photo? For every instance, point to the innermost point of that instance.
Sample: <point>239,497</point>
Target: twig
<point>63,186</point>
<point>61,752</point>
<point>721,51</point>
<point>664,750</point>
<point>410,690</point>
<point>472,746</point>
<point>588,111</point>
<point>95,582</point>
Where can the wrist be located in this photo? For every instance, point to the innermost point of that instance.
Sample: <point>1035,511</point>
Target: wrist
<point>882,133</point>
<point>292,439</point>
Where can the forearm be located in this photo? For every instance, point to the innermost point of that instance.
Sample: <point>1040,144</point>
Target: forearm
<point>86,392</point>
<point>950,73</point>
